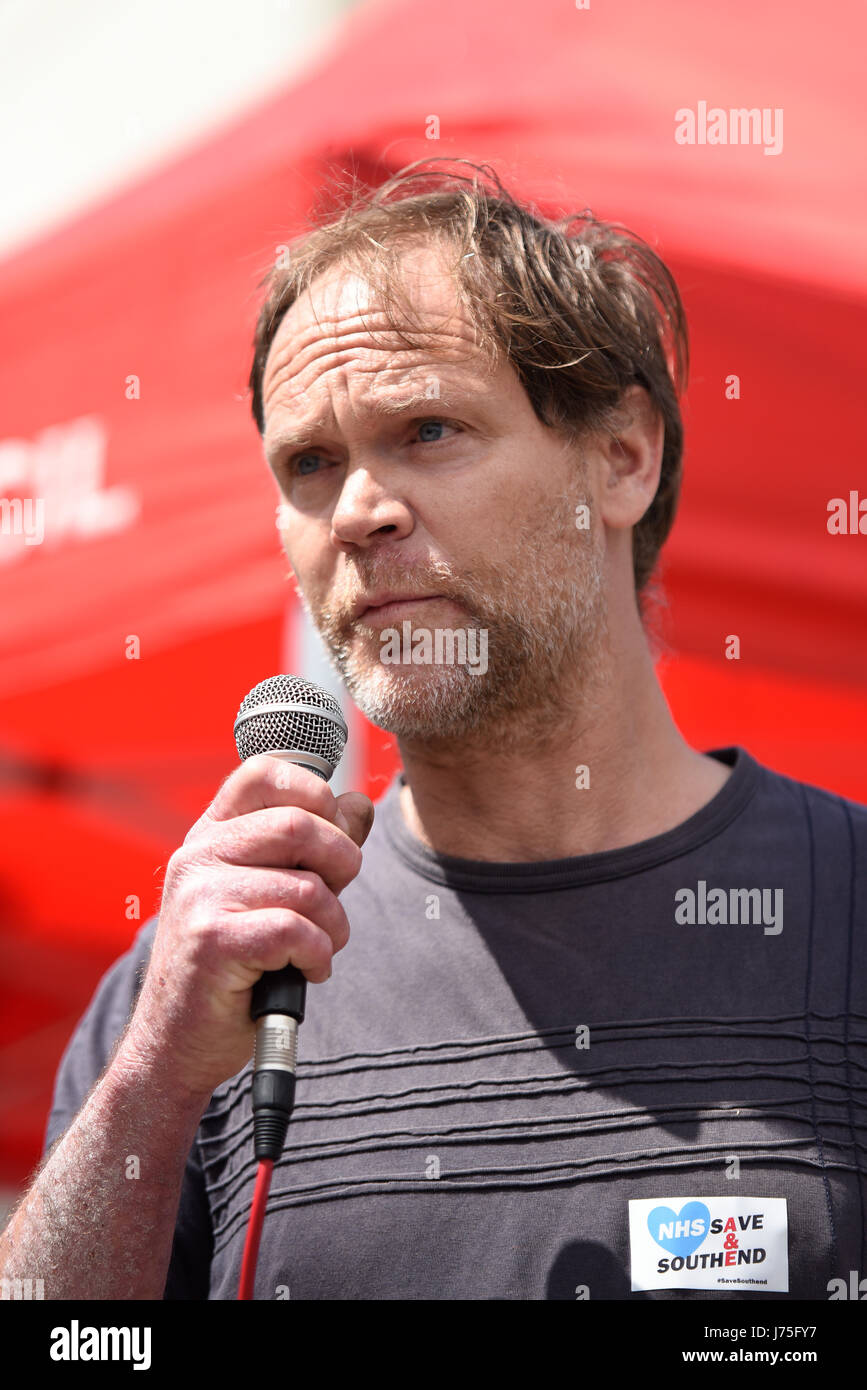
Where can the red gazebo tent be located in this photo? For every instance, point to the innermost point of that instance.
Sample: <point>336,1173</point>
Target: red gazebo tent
<point>158,595</point>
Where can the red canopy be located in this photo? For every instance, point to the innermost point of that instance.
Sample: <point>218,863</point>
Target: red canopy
<point>157,596</point>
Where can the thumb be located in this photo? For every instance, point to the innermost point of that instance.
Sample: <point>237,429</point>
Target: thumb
<point>355,815</point>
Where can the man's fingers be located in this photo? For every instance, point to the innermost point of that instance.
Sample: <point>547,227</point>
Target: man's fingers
<point>271,938</point>
<point>295,890</point>
<point>355,815</point>
<point>265,781</point>
<point>280,837</point>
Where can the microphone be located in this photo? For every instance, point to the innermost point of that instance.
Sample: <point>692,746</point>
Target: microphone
<point>293,719</point>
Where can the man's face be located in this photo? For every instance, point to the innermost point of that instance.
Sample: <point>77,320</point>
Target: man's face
<point>463,497</point>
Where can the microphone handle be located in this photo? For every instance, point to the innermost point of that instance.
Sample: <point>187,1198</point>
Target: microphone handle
<point>280,992</point>
<point>283,991</point>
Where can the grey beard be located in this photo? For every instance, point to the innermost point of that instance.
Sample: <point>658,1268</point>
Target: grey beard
<point>536,668</point>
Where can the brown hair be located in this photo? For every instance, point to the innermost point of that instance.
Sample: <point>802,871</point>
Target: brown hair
<point>583,308</point>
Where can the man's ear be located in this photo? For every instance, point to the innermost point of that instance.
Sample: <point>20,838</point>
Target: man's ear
<point>630,459</point>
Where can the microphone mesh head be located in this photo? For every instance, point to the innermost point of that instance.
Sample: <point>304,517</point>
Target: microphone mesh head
<point>317,727</point>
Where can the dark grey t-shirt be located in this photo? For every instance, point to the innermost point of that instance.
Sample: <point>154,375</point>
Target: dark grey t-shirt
<point>507,1055</point>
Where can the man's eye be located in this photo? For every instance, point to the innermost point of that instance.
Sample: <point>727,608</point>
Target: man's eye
<point>435,424</point>
<point>305,463</point>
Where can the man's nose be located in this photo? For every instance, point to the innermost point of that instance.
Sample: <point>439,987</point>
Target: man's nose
<point>368,508</point>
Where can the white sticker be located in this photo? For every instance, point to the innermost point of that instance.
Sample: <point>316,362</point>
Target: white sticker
<point>736,1243</point>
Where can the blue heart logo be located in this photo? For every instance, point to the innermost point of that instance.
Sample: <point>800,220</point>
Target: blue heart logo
<point>679,1232</point>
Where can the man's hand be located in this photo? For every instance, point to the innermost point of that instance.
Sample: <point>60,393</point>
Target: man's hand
<point>254,887</point>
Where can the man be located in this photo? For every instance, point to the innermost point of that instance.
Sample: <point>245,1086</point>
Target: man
<point>599,1029</point>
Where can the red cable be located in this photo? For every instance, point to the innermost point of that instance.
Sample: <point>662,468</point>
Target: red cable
<point>254,1228</point>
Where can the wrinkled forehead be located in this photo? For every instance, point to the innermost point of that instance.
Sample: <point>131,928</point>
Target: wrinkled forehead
<point>421,273</point>
<point>342,325</point>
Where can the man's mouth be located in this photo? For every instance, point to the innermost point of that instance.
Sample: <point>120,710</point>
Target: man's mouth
<point>384,608</point>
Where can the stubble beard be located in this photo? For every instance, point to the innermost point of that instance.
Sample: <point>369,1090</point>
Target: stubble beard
<point>545,617</point>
